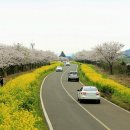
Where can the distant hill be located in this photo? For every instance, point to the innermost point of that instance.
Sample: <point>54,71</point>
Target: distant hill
<point>69,57</point>
<point>126,53</point>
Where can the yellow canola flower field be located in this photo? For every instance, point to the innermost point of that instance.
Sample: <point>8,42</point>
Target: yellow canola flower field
<point>17,101</point>
<point>106,85</point>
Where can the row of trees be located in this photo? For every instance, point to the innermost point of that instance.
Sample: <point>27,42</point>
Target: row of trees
<point>19,58</point>
<point>106,54</point>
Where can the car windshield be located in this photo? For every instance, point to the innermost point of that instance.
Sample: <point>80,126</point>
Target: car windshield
<point>89,89</point>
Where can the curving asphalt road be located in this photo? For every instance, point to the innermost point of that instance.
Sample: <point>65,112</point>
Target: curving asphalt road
<point>65,113</point>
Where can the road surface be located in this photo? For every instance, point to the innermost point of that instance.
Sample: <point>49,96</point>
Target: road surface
<point>65,113</point>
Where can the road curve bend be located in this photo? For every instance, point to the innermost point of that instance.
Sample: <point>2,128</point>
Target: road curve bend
<point>64,112</point>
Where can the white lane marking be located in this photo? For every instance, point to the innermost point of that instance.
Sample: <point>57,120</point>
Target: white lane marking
<point>107,100</point>
<point>43,107</point>
<point>116,105</point>
<point>81,105</point>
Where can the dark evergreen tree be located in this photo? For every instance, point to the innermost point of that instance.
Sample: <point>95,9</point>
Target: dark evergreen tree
<point>62,54</point>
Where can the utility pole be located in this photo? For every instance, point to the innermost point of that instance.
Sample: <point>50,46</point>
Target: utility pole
<point>32,45</point>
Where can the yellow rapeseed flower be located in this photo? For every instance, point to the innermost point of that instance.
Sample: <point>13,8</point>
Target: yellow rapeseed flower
<point>97,78</point>
<point>15,112</point>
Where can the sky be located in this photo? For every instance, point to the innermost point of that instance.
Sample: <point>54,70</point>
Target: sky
<point>64,25</point>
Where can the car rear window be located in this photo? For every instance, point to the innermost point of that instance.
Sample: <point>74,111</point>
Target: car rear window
<point>89,89</point>
<point>73,72</point>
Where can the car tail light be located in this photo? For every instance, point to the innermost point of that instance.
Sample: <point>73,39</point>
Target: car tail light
<point>83,93</point>
<point>97,93</point>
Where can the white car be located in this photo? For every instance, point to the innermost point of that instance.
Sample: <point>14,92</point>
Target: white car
<point>88,93</point>
<point>67,63</point>
<point>59,69</point>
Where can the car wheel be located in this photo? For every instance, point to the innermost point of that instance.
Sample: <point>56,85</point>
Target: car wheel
<point>77,80</point>
<point>80,100</point>
<point>68,80</point>
<point>98,101</point>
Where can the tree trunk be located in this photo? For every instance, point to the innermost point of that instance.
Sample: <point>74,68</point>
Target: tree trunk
<point>4,72</point>
<point>111,68</point>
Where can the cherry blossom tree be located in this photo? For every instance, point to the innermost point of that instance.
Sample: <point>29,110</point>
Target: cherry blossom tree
<point>18,55</point>
<point>9,57</point>
<point>85,56</point>
<point>51,56</point>
<point>109,52</point>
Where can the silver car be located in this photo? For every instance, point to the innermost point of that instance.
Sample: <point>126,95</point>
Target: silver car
<point>88,93</point>
<point>73,76</point>
<point>67,63</point>
<point>59,69</point>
